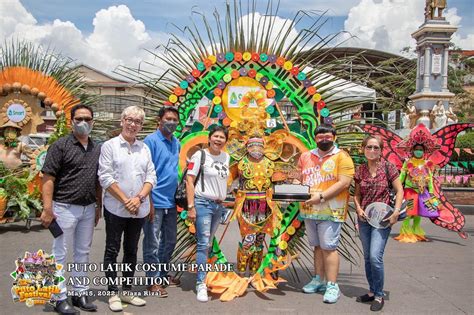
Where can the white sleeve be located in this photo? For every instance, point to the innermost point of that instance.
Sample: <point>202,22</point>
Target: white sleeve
<point>150,172</point>
<point>195,163</point>
<point>106,165</point>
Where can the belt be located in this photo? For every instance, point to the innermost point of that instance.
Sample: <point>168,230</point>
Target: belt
<point>218,201</point>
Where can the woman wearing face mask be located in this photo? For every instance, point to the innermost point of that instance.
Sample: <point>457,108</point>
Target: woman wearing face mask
<point>205,197</point>
<point>417,178</point>
<point>372,182</point>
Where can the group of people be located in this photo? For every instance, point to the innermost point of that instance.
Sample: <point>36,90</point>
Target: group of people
<point>133,183</point>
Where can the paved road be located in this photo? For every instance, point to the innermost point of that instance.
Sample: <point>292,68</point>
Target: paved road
<point>423,278</point>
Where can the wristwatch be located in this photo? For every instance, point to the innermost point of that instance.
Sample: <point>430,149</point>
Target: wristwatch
<point>321,198</point>
<point>142,198</point>
<point>190,206</point>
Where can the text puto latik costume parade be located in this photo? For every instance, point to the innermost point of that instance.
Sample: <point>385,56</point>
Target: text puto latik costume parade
<point>257,154</point>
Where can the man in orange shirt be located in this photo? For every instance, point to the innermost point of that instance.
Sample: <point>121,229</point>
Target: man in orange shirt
<point>328,171</point>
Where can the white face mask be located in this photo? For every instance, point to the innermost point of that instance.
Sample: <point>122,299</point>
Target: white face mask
<point>82,128</point>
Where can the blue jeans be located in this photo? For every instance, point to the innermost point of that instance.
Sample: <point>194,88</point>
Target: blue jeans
<point>208,216</point>
<point>160,239</point>
<point>373,242</point>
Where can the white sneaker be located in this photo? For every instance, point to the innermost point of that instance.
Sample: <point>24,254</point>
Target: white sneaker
<point>201,290</point>
<point>133,300</point>
<point>115,304</point>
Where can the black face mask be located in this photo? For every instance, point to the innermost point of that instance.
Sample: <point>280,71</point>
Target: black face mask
<point>325,145</point>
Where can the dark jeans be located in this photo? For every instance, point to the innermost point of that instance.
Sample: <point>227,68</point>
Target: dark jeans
<point>115,226</point>
<point>160,239</point>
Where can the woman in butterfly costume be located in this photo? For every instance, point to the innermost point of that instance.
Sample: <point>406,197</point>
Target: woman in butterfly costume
<point>417,176</point>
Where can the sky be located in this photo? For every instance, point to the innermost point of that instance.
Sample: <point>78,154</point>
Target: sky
<point>105,33</point>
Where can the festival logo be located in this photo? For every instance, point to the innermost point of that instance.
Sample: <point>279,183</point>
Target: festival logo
<point>16,112</point>
<point>36,278</point>
<point>329,166</point>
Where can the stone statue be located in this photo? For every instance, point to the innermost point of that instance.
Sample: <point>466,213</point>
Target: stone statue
<point>424,118</point>
<point>430,9</point>
<point>410,116</point>
<point>452,117</point>
<point>438,114</point>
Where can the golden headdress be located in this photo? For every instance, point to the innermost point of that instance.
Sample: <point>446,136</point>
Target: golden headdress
<point>252,124</point>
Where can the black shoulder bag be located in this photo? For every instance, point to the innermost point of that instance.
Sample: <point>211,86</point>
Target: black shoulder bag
<point>180,196</point>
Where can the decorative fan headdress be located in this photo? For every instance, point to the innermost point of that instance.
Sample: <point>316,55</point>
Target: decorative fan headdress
<point>251,129</point>
<point>420,135</point>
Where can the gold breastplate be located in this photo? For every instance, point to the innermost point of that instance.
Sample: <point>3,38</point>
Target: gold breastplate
<point>256,175</point>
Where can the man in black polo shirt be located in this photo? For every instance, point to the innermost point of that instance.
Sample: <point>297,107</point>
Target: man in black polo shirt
<point>72,197</point>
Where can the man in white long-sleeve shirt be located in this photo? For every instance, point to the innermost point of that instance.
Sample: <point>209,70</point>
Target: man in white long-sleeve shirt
<point>127,175</point>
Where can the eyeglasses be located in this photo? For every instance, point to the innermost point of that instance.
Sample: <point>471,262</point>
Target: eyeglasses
<point>372,147</point>
<point>80,119</point>
<point>130,121</point>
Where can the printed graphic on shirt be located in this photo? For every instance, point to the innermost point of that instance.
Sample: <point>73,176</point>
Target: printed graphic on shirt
<point>313,176</point>
<point>222,169</point>
<point>320,174</point>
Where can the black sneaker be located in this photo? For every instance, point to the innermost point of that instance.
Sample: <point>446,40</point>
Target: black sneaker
<point>365,298</point>
<point>377,304</point>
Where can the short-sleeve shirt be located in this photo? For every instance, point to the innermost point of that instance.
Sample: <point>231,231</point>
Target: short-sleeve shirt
<point>320,173</point>
<point>165,156</point>
<point>375,189</point>
<point>74,169</point>
<point>216,172</point>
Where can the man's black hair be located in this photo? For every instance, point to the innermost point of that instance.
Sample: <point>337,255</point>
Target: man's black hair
<point>80,106</point>
<point>325,128</point>
<point>166,109</point>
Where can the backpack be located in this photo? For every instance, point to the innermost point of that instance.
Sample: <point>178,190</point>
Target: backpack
<point>180,196</point>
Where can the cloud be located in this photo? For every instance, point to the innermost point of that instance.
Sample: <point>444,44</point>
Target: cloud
<point>388,24</point>
<point>117,38</point>
<point>280,28</point>
<point>458,40</point>
<point>333,7</point>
